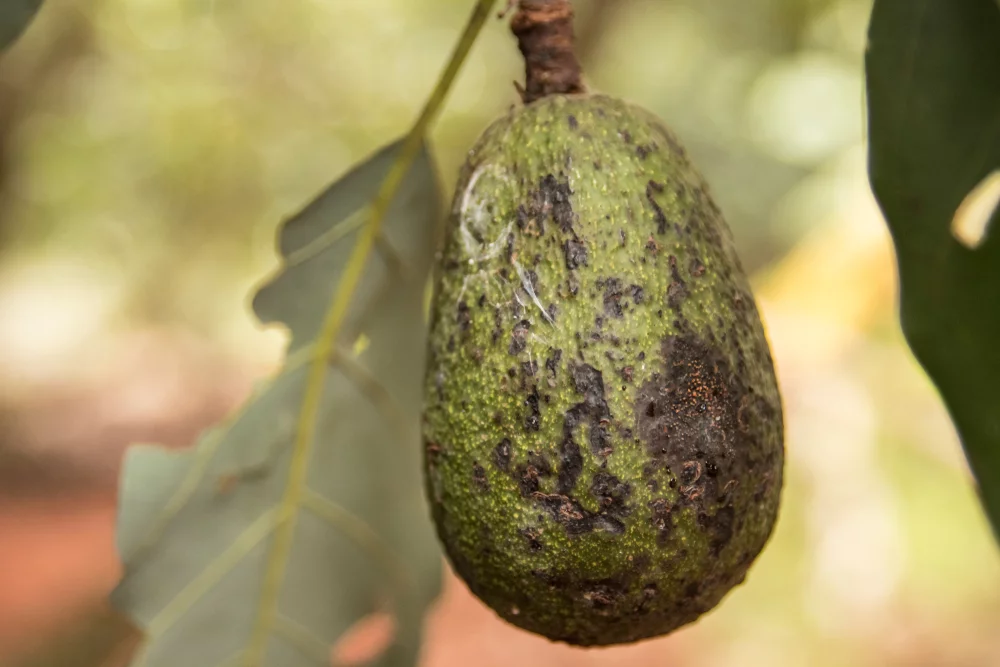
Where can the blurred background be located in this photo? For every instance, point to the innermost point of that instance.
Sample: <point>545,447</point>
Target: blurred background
<point>149,149</point>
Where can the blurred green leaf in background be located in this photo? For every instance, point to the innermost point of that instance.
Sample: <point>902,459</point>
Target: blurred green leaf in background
<point>934,122</point>
<point>15,15</point>
<point>197,529</point>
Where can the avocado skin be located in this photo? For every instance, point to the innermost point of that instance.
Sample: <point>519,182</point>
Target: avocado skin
<point>603,429</point>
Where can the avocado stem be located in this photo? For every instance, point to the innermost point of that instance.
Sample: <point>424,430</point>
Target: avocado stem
<point>544,31</point>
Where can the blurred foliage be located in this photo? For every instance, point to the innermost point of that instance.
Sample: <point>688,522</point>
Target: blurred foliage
<point>257,546</point>
<point>15,15</point>
<point>934,104</point>
<point>147,161</point>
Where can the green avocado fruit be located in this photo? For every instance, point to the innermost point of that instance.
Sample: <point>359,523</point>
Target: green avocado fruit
<point>602,426</point>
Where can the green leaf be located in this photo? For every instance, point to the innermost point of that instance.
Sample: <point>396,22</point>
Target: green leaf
<point>933,73</point>
<point>15,15</point>
<point>198,529</point>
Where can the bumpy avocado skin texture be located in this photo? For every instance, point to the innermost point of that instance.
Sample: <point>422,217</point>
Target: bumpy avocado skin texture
<point>603,428</point>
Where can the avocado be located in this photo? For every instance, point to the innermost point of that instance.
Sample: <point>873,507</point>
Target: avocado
<point>602,424</point>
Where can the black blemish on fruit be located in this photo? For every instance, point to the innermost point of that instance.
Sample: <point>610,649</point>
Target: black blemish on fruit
<point>517,337</point>
<point>613,294</point>
<point>721,527</point>
<point>554,196</point>
<point>687,418</point>
<point>526,477</point>
<point>575,252</point>
<point>570,466</point>
<point>603,595</point>
<point>611,493</point>
<point>463,317</point>
<point>643,150</point>
<point>529,368</point>
<point>625,135</point>
<point>677,291</point>
<point>638,294</point>
<point>552,310</point>
<point>532,535</point>
<point>627,373</point>
<point>501,455</point>
<point>479,477</point>
<point>592,411</point>
<point>497,330</point>
<point>573,284</point>
<point>697,268</point>
<point>661,520</point>
<point>533,419</point>
<point>552,362</point>
<point>573,124</point>
<point>576,519</point>
<point>661,218</point>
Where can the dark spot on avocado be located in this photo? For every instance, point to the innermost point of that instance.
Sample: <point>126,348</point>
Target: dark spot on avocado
<point>497,331</point>
<point>575,252</point>
<point>576,519</point>
<point>661,520</point>
<point>592,411</point>
<point>479,477</point>
<point>463,317</point>
<point>570,465</point>
<point>552,363</point>
<point>526,477</point>
<point>658,214</point>
<point>613,293</point>
<point>643,150</point>
<point>604,594</point>
<point>517,337</point>
<point>611,493</point>
<point>554,197</point>
<point>533,419</point>
<point>532,535</point>
<point>697,268</point>
<point>677,290</point>
<point>626,136</point>
<point>501,455</point>
<point>688,420</point>
<point>720,526</point>
<point>573,124</point>
<point>638,294</point>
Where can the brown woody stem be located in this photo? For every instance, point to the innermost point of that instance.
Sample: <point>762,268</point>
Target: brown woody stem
<point>544,31</point>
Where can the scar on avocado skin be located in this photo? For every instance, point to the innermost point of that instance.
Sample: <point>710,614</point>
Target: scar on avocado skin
<point>600,376</point>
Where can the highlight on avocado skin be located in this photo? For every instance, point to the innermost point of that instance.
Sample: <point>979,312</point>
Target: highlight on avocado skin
<point>602,425</point>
